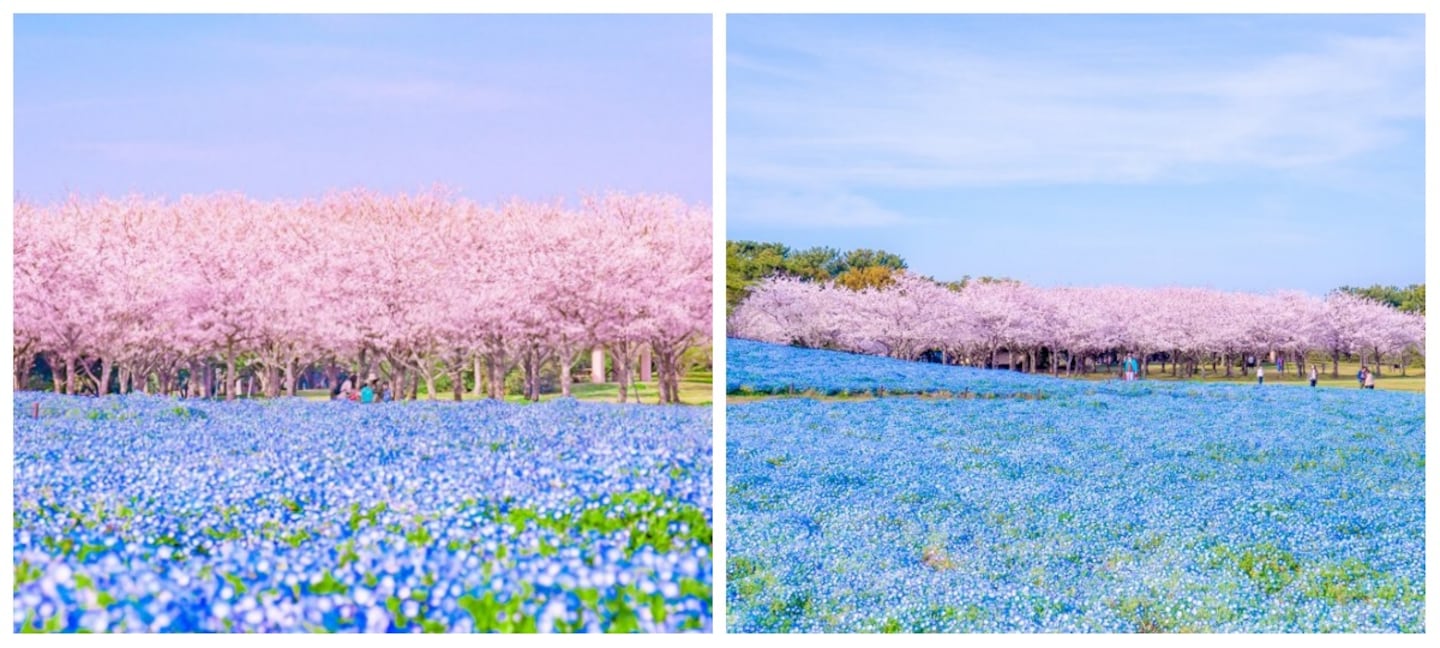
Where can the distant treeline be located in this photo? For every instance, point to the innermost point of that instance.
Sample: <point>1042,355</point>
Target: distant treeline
<point>747,262</point>
<point>1410,299</point>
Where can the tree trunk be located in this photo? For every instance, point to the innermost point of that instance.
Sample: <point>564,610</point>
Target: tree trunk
<point>671,373</point>
<point>566,358</point>
<point>1335,364</point>
<point>496,371</point>
<point>70,378</point>
<point>398,381</point>
<point>363,366</point>
<point>23,363</point>
<point>332,375</point>
<point>667,360</point>
<point>291,377</point>
<point>535,366</point>
<point>527,372</point>
<point>230,378</point>
<point>478,390</point>
<point>645,361</point>
<point>620,353</point>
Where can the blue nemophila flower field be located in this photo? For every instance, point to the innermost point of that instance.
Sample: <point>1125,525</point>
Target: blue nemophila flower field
<point>761,368</point>
<point>1095,507</point>
<point>150,514</point>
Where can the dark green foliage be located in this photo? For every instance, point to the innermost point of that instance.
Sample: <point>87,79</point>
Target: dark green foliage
<point>747,262</point>
<point>1410,299</point>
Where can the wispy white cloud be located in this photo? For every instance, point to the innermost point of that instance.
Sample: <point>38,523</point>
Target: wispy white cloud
<point>862,114</point>
<point>808,208</point>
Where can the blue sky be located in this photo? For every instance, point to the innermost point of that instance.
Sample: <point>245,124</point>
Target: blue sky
<point>292,106</point>
<point>1235,152</point>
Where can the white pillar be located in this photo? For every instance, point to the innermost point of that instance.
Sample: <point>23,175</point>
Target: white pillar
<point>597,365</point>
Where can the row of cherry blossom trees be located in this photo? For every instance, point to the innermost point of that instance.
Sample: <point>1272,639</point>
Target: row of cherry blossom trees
<point>1072,328</point>
<point>133,293</point>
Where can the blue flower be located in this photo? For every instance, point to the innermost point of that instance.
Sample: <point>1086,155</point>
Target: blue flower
<point>406,517</point>
<point>1110,507</point>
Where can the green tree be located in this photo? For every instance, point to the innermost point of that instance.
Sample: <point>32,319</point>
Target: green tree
<point>815,264</point>
<point>1410,299</point>
<point>865,258</point>
<point>867,277</point>
<point>747,262</point>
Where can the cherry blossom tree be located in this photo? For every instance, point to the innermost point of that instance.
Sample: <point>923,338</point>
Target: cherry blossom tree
<point>1184,328</point>
<point>222,292</point>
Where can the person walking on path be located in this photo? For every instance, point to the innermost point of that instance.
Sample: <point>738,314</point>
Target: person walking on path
<point>1360,377</point>
<point>1314,375</point>
<point>1260,373</point>
<point>1369,379</point>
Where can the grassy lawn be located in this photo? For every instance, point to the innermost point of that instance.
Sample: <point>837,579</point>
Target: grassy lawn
<point>1414,381</point>
<point>731,399</point>
<point>694,390</point>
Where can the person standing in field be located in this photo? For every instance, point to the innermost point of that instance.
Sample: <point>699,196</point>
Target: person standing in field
<point>1369,379</point>
<point>1260,373</point>
<point>1314,375</point>
<point>1360,377</point>
<point>367,393</point>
